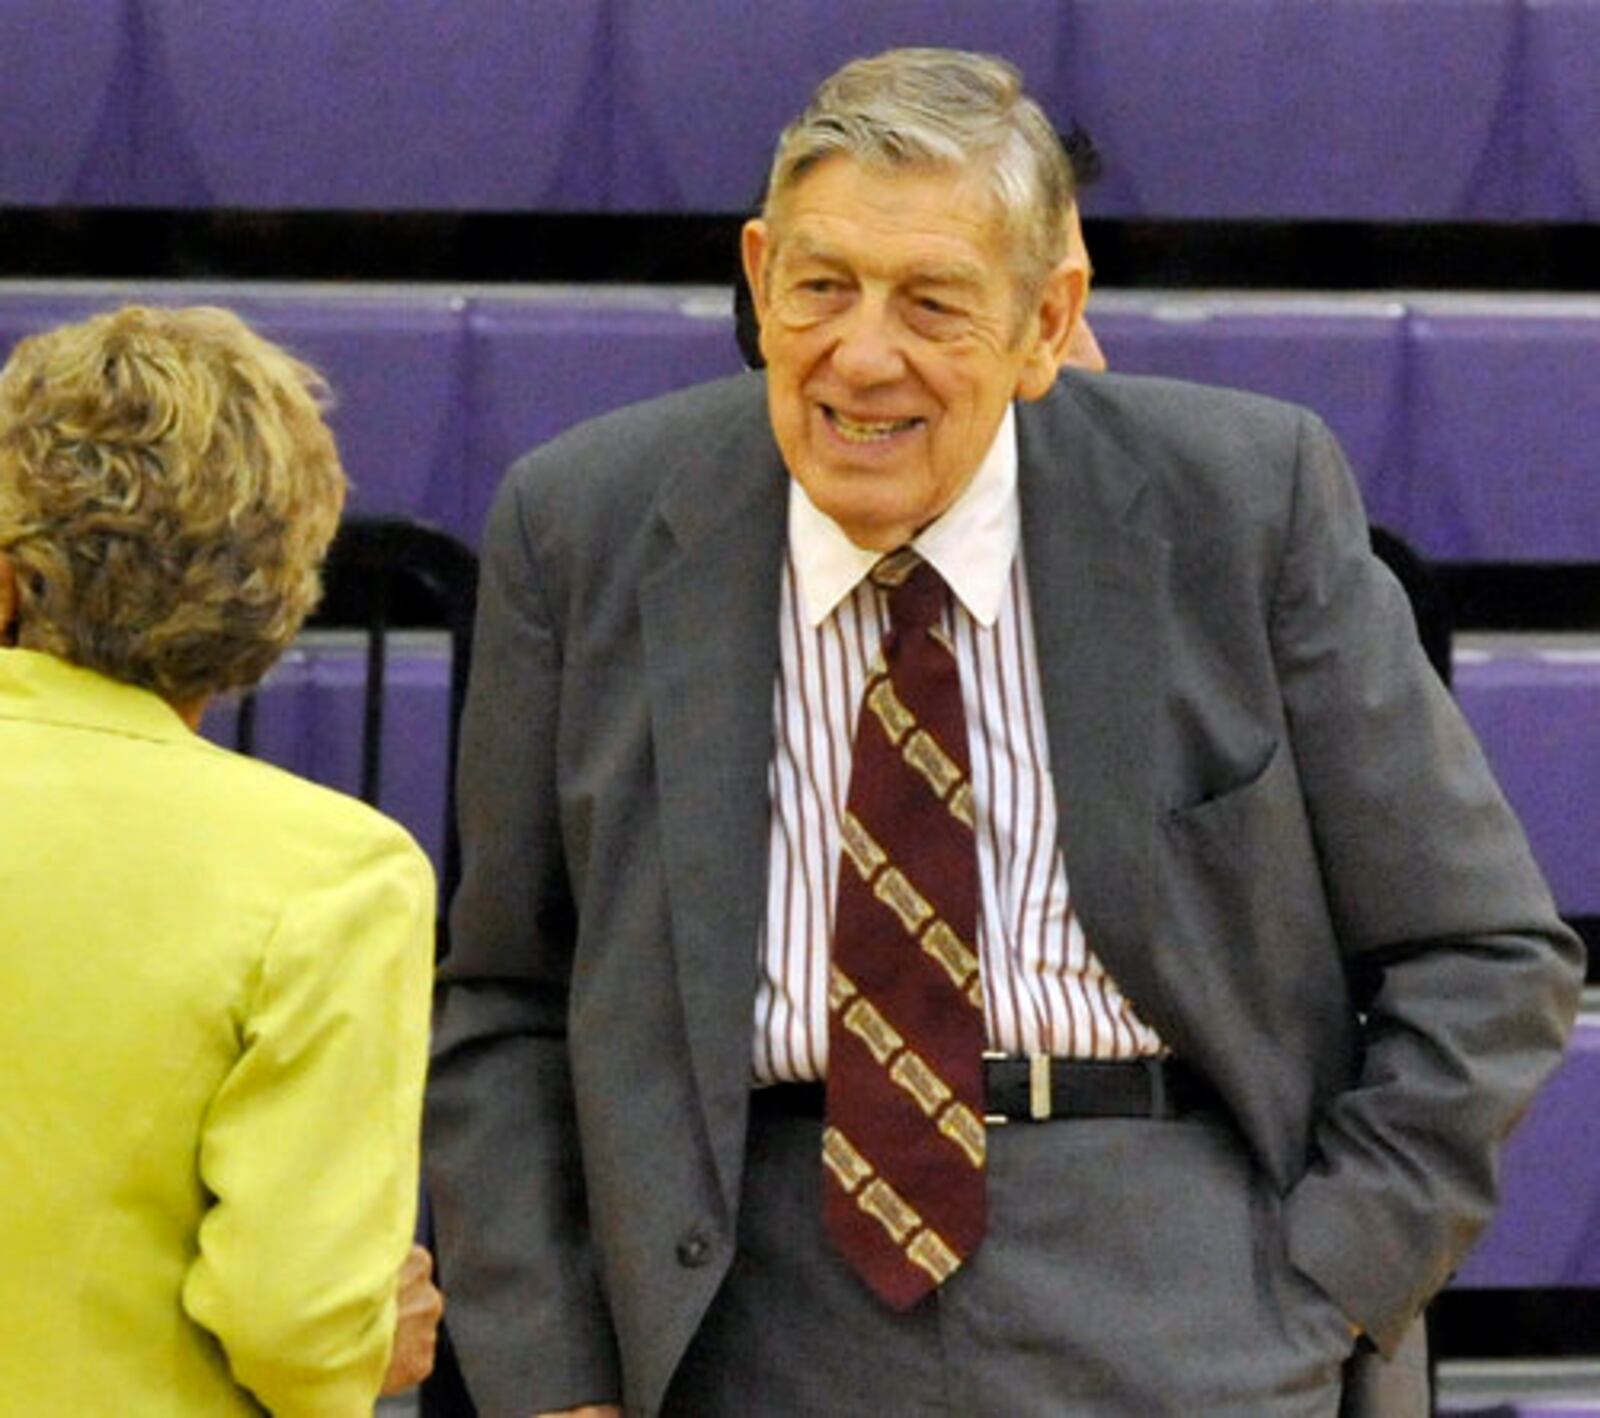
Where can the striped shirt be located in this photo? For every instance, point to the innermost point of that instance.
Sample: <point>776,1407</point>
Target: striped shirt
<point>1044,990</point>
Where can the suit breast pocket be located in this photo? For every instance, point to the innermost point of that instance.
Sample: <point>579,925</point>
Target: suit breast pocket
<point>1240,872</point>
<point>1249,831</point>
<point>1228,794</point>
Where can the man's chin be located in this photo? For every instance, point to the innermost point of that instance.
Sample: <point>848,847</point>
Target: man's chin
<point>873,529</point>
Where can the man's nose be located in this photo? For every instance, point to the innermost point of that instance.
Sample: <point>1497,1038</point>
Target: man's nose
<point>868,347</point>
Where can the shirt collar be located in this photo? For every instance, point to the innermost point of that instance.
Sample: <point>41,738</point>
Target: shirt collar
<point>972,545</point>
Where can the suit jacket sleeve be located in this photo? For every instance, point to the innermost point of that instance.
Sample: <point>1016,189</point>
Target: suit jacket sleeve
<point>310,1146</point>
<point>503,1158</point>
<point>1467,979</point>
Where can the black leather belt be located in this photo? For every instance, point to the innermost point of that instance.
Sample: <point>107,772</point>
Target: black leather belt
<point>1040,1088</point>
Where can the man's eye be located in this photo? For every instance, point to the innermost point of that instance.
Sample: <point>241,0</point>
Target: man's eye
<point>819,285</point>
<point>935,318</point>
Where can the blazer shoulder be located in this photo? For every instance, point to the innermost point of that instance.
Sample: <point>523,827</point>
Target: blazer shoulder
<point>1201,455</point>
<point>311,826</point>
<point>589,508</point>
<point>1206,422</point>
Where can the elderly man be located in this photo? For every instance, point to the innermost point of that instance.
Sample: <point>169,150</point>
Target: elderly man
<point>974,900</point>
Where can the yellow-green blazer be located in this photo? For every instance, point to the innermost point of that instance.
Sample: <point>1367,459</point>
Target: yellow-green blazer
<point>214,985</point>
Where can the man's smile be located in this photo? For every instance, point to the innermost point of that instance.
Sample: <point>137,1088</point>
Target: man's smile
<point>860,430</point>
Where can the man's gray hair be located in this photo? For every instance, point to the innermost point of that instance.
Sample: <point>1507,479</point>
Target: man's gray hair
<point>942,109</point>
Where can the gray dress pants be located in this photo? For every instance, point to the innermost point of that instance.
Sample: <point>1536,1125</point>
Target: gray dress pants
<point>1131,1267</point>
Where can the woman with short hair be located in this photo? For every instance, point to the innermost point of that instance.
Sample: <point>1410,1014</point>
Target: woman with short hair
<point>214,976</point>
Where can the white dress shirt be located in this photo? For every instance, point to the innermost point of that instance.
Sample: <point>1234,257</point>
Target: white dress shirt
<point>1044,990</point>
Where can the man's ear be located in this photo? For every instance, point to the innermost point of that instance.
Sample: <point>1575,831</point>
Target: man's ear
<point>8,601</point>
<point>755,246</point>
<point>1061,303</point>
<point>755,249</point>
<point>1077,346</point>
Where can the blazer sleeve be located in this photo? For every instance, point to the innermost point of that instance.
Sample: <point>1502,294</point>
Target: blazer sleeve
<point>1466,977</point>
<point>310,1147</point>
<point>504,1165</point>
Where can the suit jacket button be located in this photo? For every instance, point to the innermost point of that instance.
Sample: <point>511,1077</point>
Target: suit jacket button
<point>694,1250</point>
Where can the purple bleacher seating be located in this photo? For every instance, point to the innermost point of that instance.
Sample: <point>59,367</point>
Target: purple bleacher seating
<point>396,364</point>
<point>1535,705</point>
<point>284,729</point>
<point>374,103</point>
<point>416,729</point>
<point>1261,108</point>
<point>67,74</point>
<point>1547,1231</point>
<point>1344,358</point>
<point>397,367</point>
<point>540,366</point>
<point>27,308</point>
<point>1504,407</point>
<point>1560,110</point>
<point>701,92</point>
<point>1429,110</point>
<point>1471,422</point>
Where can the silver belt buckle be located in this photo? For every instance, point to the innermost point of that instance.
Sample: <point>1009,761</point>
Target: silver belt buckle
<point>995,1120</point>
<point>1040,1102</point>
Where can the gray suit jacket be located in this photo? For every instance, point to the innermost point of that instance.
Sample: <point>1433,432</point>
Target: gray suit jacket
<point>1284,844</point>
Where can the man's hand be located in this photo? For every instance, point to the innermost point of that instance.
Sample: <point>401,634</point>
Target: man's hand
<point>416,1331</point>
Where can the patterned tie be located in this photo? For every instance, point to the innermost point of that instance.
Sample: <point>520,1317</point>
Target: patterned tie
<point>903,1145</point>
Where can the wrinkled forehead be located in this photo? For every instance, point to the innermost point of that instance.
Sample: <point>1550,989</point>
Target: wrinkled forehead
<point>804,248</point>
<point>874,196</point>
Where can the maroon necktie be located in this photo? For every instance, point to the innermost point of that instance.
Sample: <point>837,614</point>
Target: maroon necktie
<point>903,1145</point>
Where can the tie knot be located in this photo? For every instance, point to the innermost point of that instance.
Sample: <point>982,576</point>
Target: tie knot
<point>916,591</point>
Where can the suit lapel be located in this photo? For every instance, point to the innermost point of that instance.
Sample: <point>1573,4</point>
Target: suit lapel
<point>710,625</point>
<point>1097,580</point>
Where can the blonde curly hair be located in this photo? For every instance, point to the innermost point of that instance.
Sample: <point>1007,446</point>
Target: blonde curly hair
<point>168,488</point>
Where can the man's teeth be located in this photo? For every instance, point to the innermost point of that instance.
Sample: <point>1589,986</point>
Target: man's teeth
<point>869,430</point>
